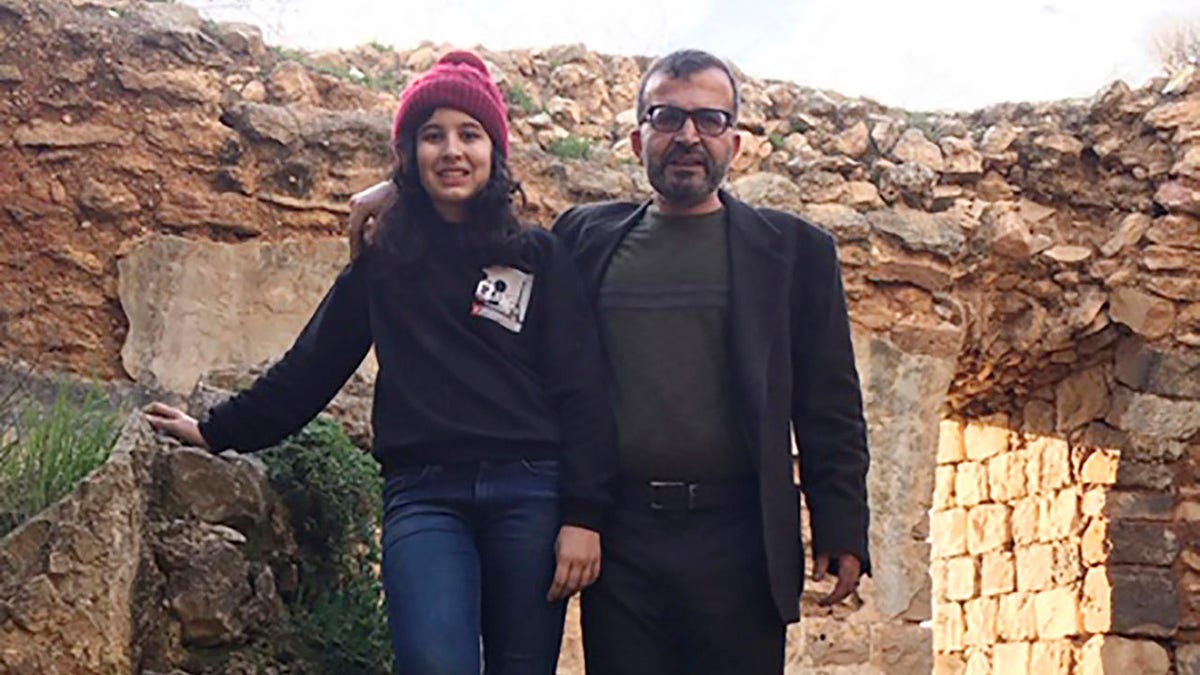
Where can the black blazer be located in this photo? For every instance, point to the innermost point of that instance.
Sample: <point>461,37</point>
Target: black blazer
<point>793,366</point>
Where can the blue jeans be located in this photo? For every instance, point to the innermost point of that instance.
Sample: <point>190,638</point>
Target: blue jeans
<point>468,552</point>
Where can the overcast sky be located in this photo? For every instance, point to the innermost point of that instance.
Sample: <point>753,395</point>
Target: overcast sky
<point>918,54</point>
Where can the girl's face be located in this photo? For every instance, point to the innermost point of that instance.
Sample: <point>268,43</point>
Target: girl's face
<point>454,159</point>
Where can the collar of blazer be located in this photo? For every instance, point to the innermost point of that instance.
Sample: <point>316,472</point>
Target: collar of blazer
<point>752,237</point>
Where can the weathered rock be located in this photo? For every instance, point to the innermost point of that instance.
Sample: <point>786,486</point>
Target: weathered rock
<point>912,183</point>
<point>1179,196</point>
<point>998,138</point>
<point>1189,165</point>
<point>241,38</point>
<point>1176,375</point>
<point>846,224</point>
<point>1011,237</point>
<point>1157,258</point>
<point>289,82</point>
<point>1145,314</point>
<point>346,132</point>
<point>242,500</point>
<point>1068,254</point>
<point>93,540</point>
<point>1154,416</point>
<point>961,157</point>
<point>1132,228</point>
<point>915,148</point>
<point>45,134</point>
<point>902,390</point>
<point>862,195</point>
<point>1185,113</point>
<point>107,199</point>
<point>901,648</point>
<point>768,189</point>
<point>818,185</point>
<point>1175,230</point>
<point>905,268</point>
<point>226,211</point>
<point>1059,143</point>
<point>1112,654</point>
<point>918,231</point>
<point>208,585</point>
<point>1142,544</point>
<point>193,86</point>
<point>1187,660</point>
<point>178,292</point>
<point>1081,398</point>
<point>260,121</point>
<point>853,142</point>
<point>1175,288</point>
<point>175,28</point>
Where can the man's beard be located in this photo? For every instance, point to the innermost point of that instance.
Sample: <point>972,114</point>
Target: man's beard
<point>690,190</point>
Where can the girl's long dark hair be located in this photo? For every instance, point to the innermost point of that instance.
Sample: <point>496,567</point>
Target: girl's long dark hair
<point>491,233</point>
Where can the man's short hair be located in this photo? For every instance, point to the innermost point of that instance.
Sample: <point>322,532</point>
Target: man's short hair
<point>684,63</point>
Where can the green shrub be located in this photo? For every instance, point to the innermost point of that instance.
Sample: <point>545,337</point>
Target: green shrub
<point>333,492</point>
<point>289,54</point>
<point>386,81</point>
<point>571,147</point>
<point>519,98</point>
<point>46,451</point>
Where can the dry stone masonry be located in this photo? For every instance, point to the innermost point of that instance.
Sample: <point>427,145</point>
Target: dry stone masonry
<point>1065,534</point>
<point>1024,283</point>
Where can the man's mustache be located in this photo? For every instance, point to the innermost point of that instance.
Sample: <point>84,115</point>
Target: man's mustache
<point>683,151</point>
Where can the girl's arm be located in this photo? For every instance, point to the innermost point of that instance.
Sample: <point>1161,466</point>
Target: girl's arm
<point>308,376</point>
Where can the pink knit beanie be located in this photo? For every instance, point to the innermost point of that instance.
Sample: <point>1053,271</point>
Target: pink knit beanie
<point>459,80</point>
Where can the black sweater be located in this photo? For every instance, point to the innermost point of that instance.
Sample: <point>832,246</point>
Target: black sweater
<point>467,370</point>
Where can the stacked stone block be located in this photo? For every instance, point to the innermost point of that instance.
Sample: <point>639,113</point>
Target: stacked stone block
<point>1065,537</point>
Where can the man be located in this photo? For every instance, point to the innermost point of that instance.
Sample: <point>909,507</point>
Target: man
<point>724,325</point>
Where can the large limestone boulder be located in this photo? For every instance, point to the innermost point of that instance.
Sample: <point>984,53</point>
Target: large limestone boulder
<point>67,577</point>
<point>198,306</point>
<point>140,566</point>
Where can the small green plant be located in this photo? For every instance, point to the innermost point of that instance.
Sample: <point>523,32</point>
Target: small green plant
<point>45,452</point>
<point>518,97</point>
<point>380,47</point>
<point>776,141</point>
<point>332,490</point>
<point>385,81</point>
<point>923,121</point>
<point>571,147</point>
<point>289,54</point>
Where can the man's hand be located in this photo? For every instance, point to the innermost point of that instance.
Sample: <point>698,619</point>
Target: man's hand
<point>366,207</point>
<point>175,422</point>
<point>578,551</point>
<point>849,571</point>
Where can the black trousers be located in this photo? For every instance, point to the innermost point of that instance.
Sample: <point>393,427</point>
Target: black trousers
<point>682,593</point>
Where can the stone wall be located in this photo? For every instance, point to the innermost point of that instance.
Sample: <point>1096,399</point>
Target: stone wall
<point>997,263</point>
<point>146,568</point>
<point>1064,534</point>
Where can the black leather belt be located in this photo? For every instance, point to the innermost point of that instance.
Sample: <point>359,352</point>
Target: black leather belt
<point>665,495</point>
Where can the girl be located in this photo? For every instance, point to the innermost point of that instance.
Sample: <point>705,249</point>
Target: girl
<point>491,420</point>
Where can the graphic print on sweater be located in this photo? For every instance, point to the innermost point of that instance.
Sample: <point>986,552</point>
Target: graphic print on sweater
<point>503,296</point>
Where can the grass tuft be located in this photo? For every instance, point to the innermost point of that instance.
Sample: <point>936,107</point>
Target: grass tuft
<point>46,451</point>
<point>571,147</point>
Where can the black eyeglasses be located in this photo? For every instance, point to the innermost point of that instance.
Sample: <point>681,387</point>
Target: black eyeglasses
<point>669,119</point>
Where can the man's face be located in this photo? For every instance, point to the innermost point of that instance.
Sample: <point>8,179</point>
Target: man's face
<point>685,167</point>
